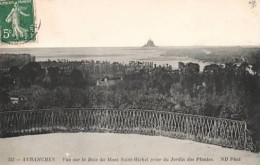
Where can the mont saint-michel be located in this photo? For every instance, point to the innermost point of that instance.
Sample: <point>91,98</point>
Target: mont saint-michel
<point>149,43</point>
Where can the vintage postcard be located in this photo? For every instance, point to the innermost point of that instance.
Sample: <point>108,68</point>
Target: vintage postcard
<point>119,82</point>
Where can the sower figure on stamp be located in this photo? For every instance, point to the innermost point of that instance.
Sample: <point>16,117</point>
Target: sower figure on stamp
<point>13,17</point>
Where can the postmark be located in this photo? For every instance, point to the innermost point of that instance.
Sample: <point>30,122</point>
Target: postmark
<point>17,21</point>
<point>252,3</point>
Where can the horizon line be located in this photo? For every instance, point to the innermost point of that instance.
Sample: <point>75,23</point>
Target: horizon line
<point>129,46</point>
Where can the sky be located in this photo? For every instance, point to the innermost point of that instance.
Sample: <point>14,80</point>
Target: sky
<point>94,23</point>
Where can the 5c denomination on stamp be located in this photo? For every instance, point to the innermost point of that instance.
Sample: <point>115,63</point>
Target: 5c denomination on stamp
<point>17,21</point>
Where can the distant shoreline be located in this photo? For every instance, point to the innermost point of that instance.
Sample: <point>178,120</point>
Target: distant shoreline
<point>141,47</point>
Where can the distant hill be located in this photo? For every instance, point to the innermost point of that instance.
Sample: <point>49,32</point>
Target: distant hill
<point>8,60</point>
<point>149,43</point>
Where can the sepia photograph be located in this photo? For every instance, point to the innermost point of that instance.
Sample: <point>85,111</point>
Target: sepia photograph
<point>119,82</point>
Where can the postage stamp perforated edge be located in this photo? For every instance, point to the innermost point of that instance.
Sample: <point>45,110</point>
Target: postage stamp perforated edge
<point>36,26</point>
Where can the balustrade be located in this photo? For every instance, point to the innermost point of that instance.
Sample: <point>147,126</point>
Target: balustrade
<point>224,132</point>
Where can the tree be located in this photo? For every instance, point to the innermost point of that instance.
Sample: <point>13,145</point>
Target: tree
<point>6,81</point>
<point>55,76</point>
<point>31,73</point>
<point>4,99</point>
<point>15,72</point>
<point>76,79</point>
<point>190,78</point>
<point>213,78</point>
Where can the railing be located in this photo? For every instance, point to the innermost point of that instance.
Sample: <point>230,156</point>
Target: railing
<point>223,132</point>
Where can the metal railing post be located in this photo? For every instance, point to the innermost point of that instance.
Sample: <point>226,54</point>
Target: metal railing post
<point>245,143</point>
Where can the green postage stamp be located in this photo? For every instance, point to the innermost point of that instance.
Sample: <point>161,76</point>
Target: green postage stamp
<point>17,21</point>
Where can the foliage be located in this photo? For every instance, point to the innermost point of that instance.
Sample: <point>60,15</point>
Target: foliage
<point>226,91</point>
